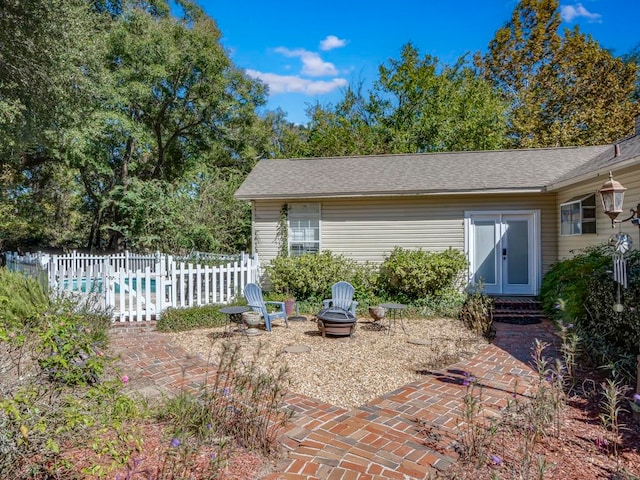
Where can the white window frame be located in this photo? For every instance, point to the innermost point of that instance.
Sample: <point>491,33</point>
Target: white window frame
<point>304,235</point>
<point>577,225</point>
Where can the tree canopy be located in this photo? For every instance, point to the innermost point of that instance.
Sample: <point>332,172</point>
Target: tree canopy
<point>415,105</point>
<point>163,104</point>
<point>125,123</point>
<point>562,88</point>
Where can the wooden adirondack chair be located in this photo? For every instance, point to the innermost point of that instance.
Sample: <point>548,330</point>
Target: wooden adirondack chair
<point>342,297</point>
<point>253,295</point>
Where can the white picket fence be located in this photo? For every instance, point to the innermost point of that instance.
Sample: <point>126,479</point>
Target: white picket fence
<point>140,287</point>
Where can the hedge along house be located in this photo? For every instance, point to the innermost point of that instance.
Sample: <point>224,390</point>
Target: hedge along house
<point>512,212</point>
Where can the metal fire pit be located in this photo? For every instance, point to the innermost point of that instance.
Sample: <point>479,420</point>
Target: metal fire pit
<point>336,321</point>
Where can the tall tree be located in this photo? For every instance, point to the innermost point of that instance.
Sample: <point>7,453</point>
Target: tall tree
<point>416,105</point>
<point>561,89</point>
<point>633,57</point>
<point>47,47</point>
<point>421,107</point>
<point>344,129</point>
<point>171,98</point>
<point>47,65</point>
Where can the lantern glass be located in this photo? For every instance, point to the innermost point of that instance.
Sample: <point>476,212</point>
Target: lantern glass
<point>612,194</point>
<point>618,200</point>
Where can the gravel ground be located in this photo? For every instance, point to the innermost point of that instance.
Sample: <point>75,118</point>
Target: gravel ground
<point>344,371</point>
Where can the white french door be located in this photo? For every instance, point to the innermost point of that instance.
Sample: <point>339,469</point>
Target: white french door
<point>504,251</point>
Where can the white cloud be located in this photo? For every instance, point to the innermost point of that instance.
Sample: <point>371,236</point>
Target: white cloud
<point>332,42</point>
<point>295,84</point>
<point>312,64</point>
<point>569,12</point>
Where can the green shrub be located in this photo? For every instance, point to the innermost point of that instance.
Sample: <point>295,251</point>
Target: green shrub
<point>53,387</point>
<point>309,277</point>
<point>613,338</point>
<point>21,298</point>
<point>568,281</point>
<point>415,274</point>
<point>446,303</point>
<point>477,313</point>
<point>581,291</point>
<point>181,319</point>
<point>71,350</point>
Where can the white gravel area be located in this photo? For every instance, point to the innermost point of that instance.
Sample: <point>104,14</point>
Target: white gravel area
<point>347,371</point>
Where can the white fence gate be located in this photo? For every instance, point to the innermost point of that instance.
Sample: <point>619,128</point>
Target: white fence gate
<point>140,287</point>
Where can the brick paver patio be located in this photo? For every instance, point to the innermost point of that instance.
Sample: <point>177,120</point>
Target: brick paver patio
<point>383,439</point>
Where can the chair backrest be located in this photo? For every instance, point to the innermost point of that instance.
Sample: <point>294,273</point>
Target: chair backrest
<point>342,295</point>
<point>253,295</point>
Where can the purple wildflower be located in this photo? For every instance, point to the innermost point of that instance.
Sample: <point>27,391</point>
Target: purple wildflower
<point>213,457</point>
<point>226,391</point>
<point>125,379</point>
<point>570,325</point>
<point>636,397</point>
<point>465,383</point>
<point>175,443</point>
<point>208,426</point>
<point>496,460</point>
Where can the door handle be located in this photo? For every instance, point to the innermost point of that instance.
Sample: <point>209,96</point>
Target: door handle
<point>504,252</point>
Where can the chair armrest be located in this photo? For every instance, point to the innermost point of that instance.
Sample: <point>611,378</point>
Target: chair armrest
<point>280,304</point>
<point>354,305</point>
<point>327,303</point>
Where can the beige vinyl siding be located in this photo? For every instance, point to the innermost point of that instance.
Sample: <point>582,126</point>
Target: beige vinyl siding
<point>630,178</point>
<point>266,215</point>
<point>367,229</point>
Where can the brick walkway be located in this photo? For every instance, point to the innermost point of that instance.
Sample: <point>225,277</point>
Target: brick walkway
<point>405,434</point>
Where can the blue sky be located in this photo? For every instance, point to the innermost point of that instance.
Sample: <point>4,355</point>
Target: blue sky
<point>307,51</point>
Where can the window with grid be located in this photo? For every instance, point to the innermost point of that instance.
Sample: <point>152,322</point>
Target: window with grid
<point>304,228</point>
<point>578,215</point>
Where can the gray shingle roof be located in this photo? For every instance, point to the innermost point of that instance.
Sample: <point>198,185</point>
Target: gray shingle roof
<point>607,160</point>
<point>417,174</point>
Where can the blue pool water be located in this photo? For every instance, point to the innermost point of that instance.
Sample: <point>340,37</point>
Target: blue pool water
<point>95,285</point>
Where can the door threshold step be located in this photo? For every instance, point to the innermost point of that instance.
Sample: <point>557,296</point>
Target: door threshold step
<point>518,319</point>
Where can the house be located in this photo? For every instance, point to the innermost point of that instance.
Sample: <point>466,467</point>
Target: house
<point>513,212</point>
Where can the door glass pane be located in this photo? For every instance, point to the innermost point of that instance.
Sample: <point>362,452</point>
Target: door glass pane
<point>485,251</point>
<point>517,252</point>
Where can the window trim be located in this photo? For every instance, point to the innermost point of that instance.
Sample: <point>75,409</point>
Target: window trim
<point>290,232</point>
<point>579,200</point>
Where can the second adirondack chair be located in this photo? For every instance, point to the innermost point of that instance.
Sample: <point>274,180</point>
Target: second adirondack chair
<point>342,297</point>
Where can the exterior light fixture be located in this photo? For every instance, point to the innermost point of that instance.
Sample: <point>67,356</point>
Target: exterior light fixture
<point>612,195</point>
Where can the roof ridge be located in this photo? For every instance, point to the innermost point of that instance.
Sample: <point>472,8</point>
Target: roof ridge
<point>448,152</point>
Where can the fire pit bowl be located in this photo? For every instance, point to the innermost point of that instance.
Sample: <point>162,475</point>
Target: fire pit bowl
<point>336,321</point>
